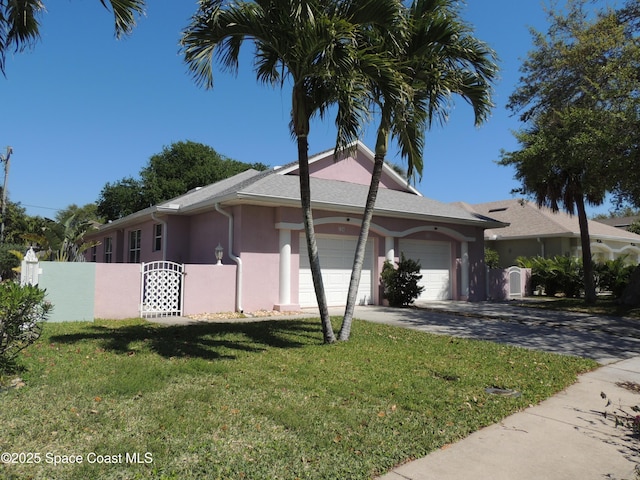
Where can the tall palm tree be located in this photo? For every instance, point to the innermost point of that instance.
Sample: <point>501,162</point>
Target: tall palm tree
<point>317,46</point>
<point>563,164</point>
<point>439,58</point>
<point>20,27</point>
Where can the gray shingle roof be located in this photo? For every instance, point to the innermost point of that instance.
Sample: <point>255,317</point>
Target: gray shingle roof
<point>619,222</point>
<point>196,196</point>
<point>276,187</point>
<point>527,220</point>
<point>349,197</point>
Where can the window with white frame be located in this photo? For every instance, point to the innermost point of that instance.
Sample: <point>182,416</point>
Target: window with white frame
<point>157,237</point>
<point>134,246</point>
<point>108,250</point>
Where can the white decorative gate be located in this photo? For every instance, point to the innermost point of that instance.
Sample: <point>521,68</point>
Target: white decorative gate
<point>515,282</point>
<point>162,289</point>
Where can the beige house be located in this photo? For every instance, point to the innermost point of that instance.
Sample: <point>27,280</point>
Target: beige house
<point>539,231</point>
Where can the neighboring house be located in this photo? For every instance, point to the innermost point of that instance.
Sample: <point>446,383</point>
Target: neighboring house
<point>619,222</point>
<point>539,231</point>
<point>256,218</point>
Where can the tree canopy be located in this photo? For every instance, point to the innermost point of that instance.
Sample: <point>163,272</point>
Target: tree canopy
<point>186,165</point>
<point>578,99</point>
<point>581,89</point>
<point>179,168</point>
<point>87,213</point>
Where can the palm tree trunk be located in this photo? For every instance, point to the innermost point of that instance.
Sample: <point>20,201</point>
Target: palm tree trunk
<point>361,247</point>
<point>358,261</point>
<point>312,247</point>
<point>587,263</point>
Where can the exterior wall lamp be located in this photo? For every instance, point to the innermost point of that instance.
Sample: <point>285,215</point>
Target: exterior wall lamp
<point>219,253</point>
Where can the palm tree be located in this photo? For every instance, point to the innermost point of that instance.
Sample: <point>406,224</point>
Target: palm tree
<point>578,100</point>
<point>314,44</point>
<point>439,58</point>
<point>562,164</point>
<point>20,27</point>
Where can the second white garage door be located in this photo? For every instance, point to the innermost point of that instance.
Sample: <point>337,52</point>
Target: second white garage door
<point>336,261</point>
<point>435,262</point>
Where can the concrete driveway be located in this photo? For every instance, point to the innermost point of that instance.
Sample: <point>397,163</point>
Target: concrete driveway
<point>604,339</point>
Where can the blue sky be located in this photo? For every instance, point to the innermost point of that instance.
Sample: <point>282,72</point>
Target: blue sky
<point>82,109</point>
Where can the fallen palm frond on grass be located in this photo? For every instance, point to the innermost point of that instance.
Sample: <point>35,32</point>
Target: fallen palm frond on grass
<point>135,400</point>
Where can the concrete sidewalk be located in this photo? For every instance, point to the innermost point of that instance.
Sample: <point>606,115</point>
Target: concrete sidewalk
<point>565,437</point>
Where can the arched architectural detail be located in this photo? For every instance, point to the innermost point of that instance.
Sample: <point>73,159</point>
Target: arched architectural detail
<point>286,228</point>
<point>379,229</point>
<point>631,250</point>
<point>610,253</point>
<point>601,251</point>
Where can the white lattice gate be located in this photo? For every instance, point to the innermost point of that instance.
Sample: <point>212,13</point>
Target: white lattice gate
<point>162,289</point>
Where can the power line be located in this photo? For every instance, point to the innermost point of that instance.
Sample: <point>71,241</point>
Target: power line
<point>38,206</point>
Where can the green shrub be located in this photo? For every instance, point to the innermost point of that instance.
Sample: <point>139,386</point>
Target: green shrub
<point>9,261</point>
<point>569,274</point>
<point>22,311</point>
<point>401,284</point>
<point>565,274</point>
<point>614,275</point>
<point>491,258</point>
<point>554,275</point>
<point>541,274</point>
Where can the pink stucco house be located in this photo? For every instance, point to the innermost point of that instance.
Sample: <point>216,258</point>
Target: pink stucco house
<point>256,218</point>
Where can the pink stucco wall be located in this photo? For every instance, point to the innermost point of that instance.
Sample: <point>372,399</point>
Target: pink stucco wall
<point>209,289</point>
<point>177,237</point>
<point>259,243</point>
<point>351,168</point>
<point>477,268</point>
<point>206,231</point>
<point>117,290</point>
<point>147,252</point>
<point>120,243</point>
<point>499,287</point>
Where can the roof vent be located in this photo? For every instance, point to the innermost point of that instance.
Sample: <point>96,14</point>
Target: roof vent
<point>498,209</point>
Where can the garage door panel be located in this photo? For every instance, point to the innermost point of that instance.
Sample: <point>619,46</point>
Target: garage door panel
<point>336,260</point>
<point>435,264</point>
<point>436,283</point>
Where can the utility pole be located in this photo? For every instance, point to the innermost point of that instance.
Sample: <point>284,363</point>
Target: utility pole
<point>5,160</point>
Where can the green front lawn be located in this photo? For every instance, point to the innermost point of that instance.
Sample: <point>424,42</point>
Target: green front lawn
<point>260,400</point>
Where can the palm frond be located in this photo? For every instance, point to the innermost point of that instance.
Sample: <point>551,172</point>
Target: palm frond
<point>19,26</point>
<point>124,13</point>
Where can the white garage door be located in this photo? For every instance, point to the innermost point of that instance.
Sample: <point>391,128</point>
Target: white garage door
<point>336,261</point>
<point>435,263</point>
